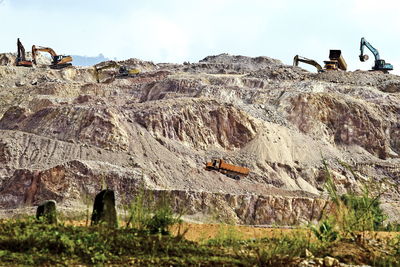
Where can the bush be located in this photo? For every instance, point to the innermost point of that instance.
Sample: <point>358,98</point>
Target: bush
<point>351,212</point>
<point>162,219</point>
<point>155,217</point>
<point>366,212</point>
<point>325,232</point>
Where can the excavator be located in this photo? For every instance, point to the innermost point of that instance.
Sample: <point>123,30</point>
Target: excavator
<point>123,71</point>
<point>21,60</point>
<point>312,62</point>
<point>380,64</point>
<point>58,61</point>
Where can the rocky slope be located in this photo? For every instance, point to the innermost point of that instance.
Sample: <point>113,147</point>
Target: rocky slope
<point>64,136</point>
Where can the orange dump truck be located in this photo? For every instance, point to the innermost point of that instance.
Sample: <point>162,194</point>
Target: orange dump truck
<point>229,170</point>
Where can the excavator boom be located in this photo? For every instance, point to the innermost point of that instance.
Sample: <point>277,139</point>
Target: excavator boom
<point>21,60</point>
<point>374,51</point>
<point>312,62</point>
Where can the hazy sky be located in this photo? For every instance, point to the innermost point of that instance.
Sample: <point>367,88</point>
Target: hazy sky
<point>185,30</point>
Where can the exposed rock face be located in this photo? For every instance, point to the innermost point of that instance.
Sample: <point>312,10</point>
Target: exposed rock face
<point>249,209</point>
<point>96,126</point>
<point>199,124</point>
<point>63,135</point>
<point>343,121</point>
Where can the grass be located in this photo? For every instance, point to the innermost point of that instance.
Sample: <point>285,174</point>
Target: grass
<point>32,243</point>
<point>28,242</point>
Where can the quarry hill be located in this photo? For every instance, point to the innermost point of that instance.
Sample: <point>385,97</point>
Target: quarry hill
<point>66,133</point>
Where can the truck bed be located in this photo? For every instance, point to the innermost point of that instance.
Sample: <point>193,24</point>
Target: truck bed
<point>234,168</point>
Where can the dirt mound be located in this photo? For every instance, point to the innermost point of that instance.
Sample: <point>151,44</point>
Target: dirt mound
<point>63,135</point>
<point>229,64</point>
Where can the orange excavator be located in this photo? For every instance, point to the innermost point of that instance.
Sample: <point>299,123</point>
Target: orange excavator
<point>21,60</point>
<point>58,61</point>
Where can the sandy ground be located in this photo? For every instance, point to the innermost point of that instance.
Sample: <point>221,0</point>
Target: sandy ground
<point>201,232</point>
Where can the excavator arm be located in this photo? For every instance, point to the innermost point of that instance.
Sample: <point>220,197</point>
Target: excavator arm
<point>21,59</point>
<point>374,51</point>
<point>312,62</point>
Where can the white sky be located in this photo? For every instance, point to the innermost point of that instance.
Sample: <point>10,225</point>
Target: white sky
<point>189,30</point>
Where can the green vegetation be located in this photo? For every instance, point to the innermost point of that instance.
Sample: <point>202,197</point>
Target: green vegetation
<point>30,242</point>
<point>148,214</point>
<point>325,232</point>
<point>350,213</point>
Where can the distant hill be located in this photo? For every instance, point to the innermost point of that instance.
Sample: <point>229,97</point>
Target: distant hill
<point>88,61</point>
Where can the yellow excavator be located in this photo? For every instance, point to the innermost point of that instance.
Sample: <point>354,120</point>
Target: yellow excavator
<point>312,62</point>
<point>21,60</point>
<point>123,71</point>
<point>58,61</point>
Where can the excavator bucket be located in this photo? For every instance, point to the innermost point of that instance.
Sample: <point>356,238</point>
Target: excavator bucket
<point>364,58</point>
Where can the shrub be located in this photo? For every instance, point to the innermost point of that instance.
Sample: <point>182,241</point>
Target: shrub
<point>153,216</point>
<point>366,211</point>
<point>325,232</point>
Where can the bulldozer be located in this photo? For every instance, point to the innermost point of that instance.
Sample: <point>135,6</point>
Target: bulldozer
<point>58,61</point>
<point>21,59</point>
